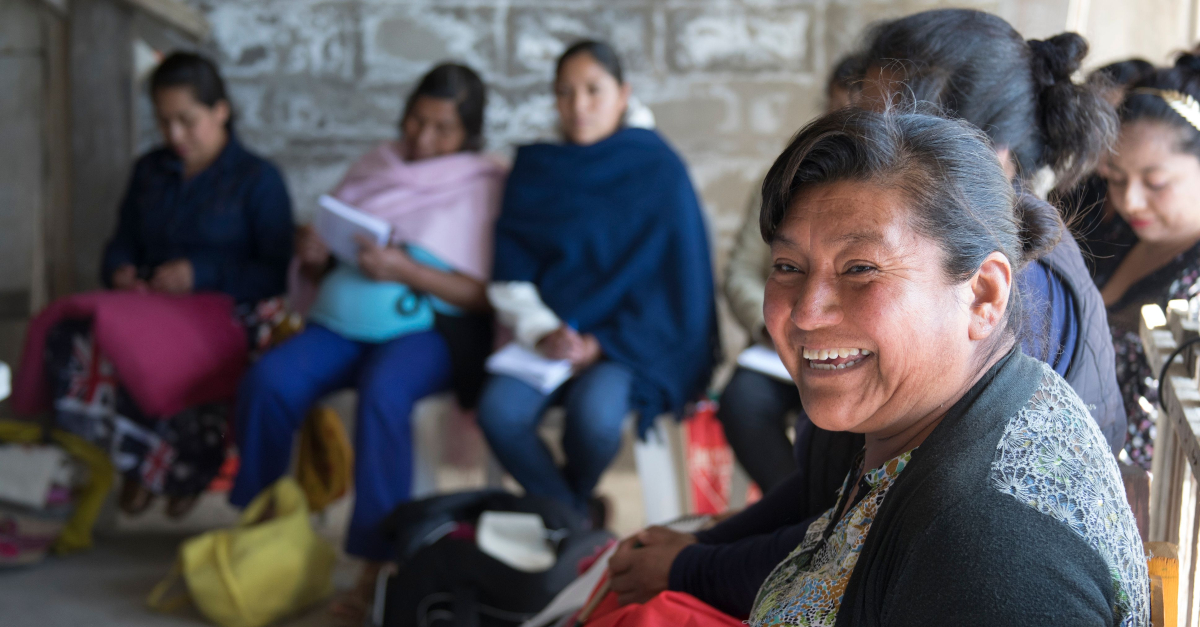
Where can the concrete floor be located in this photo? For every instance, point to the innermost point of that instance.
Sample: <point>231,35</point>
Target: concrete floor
<point>107,586</point>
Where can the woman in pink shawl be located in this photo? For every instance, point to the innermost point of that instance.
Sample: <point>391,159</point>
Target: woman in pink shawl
<point>372,324</point>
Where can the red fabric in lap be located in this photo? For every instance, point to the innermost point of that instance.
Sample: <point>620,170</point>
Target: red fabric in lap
<point>668,609</point>
<point>170,352</point>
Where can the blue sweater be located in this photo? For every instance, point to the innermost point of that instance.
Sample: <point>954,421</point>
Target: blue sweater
<point>232,221</point>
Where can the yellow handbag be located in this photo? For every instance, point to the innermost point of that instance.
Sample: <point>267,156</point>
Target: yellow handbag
<point>326,461</point>
<point>271,565</point>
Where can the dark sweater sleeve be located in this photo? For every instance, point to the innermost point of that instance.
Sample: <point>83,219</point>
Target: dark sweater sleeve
<point>125,247</point>
<point>262,273</point>
<point>728,576</point>
<point>1005,564</point>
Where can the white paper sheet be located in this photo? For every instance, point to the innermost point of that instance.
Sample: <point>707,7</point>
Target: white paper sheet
<point>517,539</point>
<point>339,224</point>
<point>762,359</point>
<point>27,473</point>
<point>530,366</point>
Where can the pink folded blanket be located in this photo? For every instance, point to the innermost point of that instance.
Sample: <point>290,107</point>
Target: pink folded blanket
<point>170,352</point>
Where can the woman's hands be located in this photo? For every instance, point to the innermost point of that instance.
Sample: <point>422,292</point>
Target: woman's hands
<point>312,252</point>
<point>582,350</point>
<point>173,277</point>
<point>125,278</point>
<point>641,566</point>
<point>385,263</point>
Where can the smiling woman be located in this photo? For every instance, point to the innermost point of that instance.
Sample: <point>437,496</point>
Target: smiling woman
<point>895,238</point>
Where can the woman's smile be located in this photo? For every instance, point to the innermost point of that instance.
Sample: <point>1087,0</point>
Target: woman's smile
<point>834,359</point>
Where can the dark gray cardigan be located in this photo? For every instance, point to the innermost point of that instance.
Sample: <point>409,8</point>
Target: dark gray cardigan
<point>951,545</point>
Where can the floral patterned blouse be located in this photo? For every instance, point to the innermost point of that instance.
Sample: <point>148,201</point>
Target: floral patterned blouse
<point>1109,243</point>
<point>807,587</point>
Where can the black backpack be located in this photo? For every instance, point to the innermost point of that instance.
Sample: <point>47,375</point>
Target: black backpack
<point>444,580</point>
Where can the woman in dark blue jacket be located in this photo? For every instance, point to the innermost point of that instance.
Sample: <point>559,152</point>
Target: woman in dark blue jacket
<point>201,214</point>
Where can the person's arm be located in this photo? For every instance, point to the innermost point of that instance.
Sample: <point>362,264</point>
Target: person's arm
<point>746,274</point>
<point>519,307</point>
<point>263,273</point>
<point>124,249</point>
<point>999,566</point>
<point>728,576</point>
<point>398,265</point>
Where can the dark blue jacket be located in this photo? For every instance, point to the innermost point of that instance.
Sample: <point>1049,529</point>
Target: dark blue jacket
<point>233,221</point>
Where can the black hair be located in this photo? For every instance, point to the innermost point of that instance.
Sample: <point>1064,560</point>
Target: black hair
<point>601,51</point>
<point>187,69</point>
<point>1122,74</point>
<point>846,73</point>
<point>1184,78</point>
<point>451,81</point>
<point>960,195</point>
<point>975,66</point>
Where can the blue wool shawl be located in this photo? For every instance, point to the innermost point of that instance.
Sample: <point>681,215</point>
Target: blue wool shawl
<point>613,237</point>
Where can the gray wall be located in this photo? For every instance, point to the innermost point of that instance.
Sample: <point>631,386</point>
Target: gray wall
<point>317,82</point>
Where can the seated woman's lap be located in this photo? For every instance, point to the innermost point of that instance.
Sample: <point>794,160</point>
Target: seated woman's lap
<point>278,391</point>
<point>596,402</point>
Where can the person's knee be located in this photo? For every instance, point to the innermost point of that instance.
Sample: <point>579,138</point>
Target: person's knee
<point>503,417</point>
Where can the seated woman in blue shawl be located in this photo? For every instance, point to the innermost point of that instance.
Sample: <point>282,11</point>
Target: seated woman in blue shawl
<point>602,259</point>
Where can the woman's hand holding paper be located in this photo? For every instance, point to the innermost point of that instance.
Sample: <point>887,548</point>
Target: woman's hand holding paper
<point>385,263</point>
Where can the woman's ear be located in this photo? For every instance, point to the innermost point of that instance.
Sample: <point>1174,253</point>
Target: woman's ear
<point>990,288</point>
<point>222,111</point>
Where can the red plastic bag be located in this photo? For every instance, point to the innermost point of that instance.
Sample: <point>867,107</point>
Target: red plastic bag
<point>668,609</point>
<point>709,460</point>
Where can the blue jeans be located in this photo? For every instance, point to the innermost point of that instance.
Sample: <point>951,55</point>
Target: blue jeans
<point>595,401</point>
<point>390,377</point>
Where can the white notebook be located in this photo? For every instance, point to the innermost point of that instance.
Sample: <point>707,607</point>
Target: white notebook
<point>762,359</point>
<point>530,366</point>
<point>339,224</point>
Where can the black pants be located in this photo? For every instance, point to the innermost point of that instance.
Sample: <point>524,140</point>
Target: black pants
<point>753,411</point>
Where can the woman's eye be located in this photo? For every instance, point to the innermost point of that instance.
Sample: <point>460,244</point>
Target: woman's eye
<point>860,269</point>
<point>1157,186</point>
<point>785,268</point>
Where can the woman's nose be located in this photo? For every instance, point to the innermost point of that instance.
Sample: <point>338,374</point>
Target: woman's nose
<point>816,306</point>
<point>1135,197</point>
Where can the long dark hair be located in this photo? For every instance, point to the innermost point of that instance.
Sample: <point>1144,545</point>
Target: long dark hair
<point>602,52</point>
<point>188,69</point>
<point>1183,78</point>
<point>959,193</point>
<point>976,66</point>
<point>452,81</point>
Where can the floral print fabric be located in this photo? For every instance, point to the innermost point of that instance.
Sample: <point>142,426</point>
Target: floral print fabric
<point>1053,458</point>
<point>807,587</point>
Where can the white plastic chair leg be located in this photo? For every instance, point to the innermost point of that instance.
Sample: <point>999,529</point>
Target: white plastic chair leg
<point>658,474</point>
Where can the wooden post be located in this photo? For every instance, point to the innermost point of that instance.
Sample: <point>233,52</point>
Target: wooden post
<point>101,75</point>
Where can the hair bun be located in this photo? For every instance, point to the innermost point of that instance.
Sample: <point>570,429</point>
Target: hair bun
<point>1040,225</point>
<point>1057,58</point>
<point>1189,62</point>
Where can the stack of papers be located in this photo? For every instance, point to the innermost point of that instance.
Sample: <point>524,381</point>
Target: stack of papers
<point>526,365</point>
<point>339,225</point>
<point>762,359</point>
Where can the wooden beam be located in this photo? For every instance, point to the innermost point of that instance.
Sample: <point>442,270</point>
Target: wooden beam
<point>58,267</point>
<point>176,14</point>
<point>101,62</point>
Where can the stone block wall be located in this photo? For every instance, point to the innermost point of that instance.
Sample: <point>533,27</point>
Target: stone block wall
<point>316,83</point>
